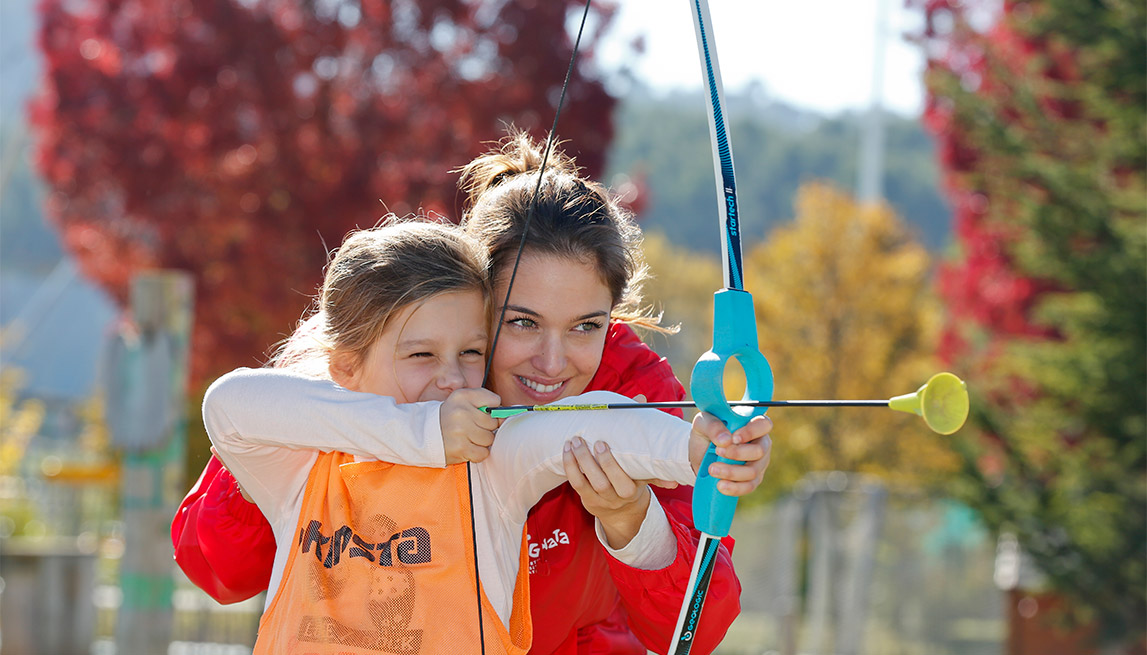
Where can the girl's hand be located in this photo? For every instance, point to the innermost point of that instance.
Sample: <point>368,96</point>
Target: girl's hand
<point>606,491</point>
<point>468,432</point>
<point>751,444</point>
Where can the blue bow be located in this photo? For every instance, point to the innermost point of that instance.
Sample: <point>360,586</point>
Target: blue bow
<point>734,337</point>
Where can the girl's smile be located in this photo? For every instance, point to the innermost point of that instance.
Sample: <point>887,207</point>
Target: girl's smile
<point>427,350</point>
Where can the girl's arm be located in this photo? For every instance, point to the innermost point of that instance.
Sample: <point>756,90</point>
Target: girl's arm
<point>269,425</point>
<point>526,459</point>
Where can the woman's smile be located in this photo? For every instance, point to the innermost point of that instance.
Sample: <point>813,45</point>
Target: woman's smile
<point>540,387</point>
<point>553,332</point>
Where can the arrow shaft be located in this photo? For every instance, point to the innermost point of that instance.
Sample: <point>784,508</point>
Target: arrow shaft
<point>510,410</point>
<point>764,403</point>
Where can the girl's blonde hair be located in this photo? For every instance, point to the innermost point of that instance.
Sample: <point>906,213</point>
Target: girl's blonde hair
<point>375,274</point>
<point>575,218</point>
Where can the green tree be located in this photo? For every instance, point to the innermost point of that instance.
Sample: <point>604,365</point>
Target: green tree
<point>1041,129</point>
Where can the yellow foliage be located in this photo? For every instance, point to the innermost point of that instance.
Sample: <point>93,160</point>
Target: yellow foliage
<point>845,310</point>
<point>681,285</point>
<point>19,422</point>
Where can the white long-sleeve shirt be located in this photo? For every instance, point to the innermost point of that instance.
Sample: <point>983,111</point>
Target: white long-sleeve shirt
<point>269,425</point>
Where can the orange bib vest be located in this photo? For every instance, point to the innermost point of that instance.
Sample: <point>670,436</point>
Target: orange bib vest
<point>383,562</point>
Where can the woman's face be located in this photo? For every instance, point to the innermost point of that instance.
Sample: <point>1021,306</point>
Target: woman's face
<point>553,332</point>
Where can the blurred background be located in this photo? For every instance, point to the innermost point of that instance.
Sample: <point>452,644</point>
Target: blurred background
<point>941,184</point>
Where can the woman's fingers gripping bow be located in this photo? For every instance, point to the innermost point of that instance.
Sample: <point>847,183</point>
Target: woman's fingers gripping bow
<point>606,491</point>
<point>750,444</point>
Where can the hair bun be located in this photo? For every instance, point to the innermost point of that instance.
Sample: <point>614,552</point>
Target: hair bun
<point>515,154</point>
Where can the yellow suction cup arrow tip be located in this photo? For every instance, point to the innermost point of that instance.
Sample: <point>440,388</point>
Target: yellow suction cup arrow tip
<point>942,402</point>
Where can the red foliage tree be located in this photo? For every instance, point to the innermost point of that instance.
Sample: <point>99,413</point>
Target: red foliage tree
<point>240,139</point>
<point>983,286</point>
<point>1037,106</point>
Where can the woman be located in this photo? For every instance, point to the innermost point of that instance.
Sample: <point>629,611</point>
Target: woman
<point>565,331</point>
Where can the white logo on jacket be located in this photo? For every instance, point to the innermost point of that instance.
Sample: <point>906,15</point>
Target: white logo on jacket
<point>558,537</point>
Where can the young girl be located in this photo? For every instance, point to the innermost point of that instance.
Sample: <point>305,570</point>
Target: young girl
<point>374,549</point>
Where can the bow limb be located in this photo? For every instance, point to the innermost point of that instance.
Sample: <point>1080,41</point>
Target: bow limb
<point>734,337</point>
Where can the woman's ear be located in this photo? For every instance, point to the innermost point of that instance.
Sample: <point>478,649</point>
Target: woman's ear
<point>344,369</point>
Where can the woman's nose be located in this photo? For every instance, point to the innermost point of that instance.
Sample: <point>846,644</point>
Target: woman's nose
<point>551,360</point>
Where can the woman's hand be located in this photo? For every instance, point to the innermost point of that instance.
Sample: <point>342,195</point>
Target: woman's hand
<point>467,431</point>
<point>750,444</point>
<point>606,491</point>
<point>242,492</point>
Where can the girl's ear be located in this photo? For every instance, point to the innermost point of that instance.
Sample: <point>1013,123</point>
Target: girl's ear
<point>344,369</point>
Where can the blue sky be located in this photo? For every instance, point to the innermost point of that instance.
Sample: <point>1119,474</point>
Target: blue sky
<point>815,54</point>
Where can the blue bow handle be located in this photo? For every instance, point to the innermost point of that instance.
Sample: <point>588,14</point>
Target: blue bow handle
<point>734,337</point>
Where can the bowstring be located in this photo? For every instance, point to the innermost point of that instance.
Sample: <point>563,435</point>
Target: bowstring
<point>537,192</point>
<point>506,300</point>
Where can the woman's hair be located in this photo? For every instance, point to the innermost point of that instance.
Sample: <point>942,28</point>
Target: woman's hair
<point>574,218</point>
<point>375,274</point>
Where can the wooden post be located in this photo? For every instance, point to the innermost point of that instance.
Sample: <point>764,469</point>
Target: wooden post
<point>146,411</point>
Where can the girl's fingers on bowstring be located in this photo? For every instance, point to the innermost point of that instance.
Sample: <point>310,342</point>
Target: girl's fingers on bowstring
<point>467,431</point>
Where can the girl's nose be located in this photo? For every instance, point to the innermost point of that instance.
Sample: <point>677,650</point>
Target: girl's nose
<point>450,377</point>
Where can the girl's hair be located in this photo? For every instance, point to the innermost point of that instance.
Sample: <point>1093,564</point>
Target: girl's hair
<point>375,274</point>
<point>574,217</point>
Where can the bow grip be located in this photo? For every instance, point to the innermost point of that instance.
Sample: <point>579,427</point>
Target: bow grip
<point>734,337</point>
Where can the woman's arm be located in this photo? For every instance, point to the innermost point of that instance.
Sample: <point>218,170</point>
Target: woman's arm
<point>221,541</point>
<point>652,599</point>
<point>652,587</point>
<point>652,591</point>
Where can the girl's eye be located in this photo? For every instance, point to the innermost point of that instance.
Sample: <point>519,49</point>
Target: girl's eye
<point>473,352</point>
<point>523,322</point>
<point>422,355</point>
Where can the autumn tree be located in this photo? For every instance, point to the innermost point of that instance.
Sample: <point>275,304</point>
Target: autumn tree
<point>845,309</point>
<point>681,287</point>
<point>1038,111</point>
<point>240,140</point>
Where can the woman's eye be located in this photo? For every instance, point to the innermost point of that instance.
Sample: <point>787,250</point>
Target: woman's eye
<point>588,326</point>
<point>523,322</point>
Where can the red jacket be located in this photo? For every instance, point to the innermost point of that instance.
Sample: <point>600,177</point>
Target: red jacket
<point>583,601</point>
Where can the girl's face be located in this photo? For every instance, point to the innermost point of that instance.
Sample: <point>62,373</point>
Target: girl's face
<point>553,332</point>
<point>428,350</point>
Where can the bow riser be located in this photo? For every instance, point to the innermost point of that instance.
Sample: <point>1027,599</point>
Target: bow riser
<point>734,337</point>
